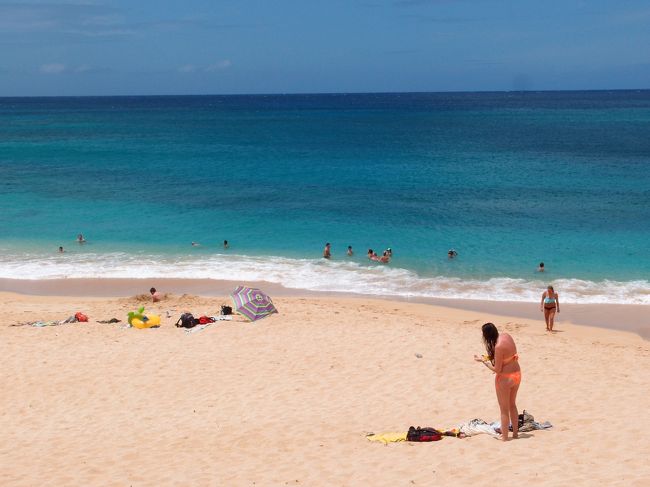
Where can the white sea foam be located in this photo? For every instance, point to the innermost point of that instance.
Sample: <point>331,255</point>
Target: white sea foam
<point>317,275</point>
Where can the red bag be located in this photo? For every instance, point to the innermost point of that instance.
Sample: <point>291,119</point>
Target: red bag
<point>205,319</point>
<point>79,316</point>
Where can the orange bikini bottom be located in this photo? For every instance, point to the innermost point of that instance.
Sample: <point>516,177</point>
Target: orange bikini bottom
<point>515,377</point>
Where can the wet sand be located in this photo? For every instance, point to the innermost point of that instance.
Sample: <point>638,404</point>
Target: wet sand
<point>626,317</point>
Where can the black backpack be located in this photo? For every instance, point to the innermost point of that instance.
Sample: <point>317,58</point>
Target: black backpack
<point>187,321</point>
<point>423,434</point>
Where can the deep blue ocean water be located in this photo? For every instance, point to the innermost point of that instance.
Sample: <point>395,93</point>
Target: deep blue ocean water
<point>507,179</point>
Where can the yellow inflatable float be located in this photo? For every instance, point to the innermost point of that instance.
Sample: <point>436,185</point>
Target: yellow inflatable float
<point>140,320</point>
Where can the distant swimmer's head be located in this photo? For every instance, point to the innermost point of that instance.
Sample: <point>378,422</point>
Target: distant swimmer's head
<point>349,247</point>
<point>327,244</point>
<point>61,249</point>
<point>490,337</point>
<point>541,264</point>
<point>370,251</point>
<point>152,290</point>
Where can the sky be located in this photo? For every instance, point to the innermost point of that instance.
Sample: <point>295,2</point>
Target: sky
<point>139,47</point>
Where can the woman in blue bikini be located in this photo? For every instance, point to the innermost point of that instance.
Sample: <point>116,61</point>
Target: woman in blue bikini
<point>550,304</point>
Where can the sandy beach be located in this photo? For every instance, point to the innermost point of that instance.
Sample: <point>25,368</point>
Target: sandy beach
<point>289,400</point>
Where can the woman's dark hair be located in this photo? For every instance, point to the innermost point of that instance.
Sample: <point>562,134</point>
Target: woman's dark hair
<point>152,290</point>
<point>490,336</point>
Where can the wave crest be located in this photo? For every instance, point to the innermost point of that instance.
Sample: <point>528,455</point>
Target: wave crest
<point>317,275</point>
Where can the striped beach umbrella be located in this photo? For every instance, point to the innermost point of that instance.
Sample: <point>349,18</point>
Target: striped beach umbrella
<point>252,303</point>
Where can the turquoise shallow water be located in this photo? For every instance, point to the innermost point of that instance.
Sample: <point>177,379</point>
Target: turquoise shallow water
<point>507,179</point>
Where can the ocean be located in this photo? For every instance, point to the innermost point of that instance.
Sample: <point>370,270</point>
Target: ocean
<point>506,179</point>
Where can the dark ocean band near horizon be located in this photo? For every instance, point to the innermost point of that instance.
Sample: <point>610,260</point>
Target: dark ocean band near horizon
<point>509,180</point>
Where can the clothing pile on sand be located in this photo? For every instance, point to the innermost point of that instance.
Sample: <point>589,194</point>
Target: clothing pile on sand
<point>472,427</point>
<point>203,326</point>
<point>78,317</point>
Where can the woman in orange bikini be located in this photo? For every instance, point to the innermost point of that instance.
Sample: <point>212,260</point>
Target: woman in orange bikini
<point>550,305</point>
<point>502,359</point>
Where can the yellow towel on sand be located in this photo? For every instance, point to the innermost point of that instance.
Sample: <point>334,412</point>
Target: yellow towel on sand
<point>386,438</point>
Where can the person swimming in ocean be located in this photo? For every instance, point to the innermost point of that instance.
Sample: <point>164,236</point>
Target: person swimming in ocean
<point>196,244</point>
<point>81,239</point>
<point>451,253</point>
<point>372,255</point>
<point>226,245</point>
<point>390,252</point>
<point>541,267</point>
<point>61,250</point>
<point>327,251</point>
<point>385,258</point>
<point>349,252</point>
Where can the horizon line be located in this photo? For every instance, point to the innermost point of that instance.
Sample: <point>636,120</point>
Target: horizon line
<point>331,93</point>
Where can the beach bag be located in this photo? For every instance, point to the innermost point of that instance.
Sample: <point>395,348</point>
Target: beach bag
<point>423,434</point>
<point>526,422</point>
<point>226,310</point>
<point>187,321</point>
<point>79,316</point>
<point>203,320</point>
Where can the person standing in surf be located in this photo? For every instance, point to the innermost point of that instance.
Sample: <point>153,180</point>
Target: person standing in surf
<point>327,251</point>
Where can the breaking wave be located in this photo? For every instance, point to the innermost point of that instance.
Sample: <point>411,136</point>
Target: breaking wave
<point>316,275</point>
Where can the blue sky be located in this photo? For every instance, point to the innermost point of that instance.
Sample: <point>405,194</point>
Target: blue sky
<point>302,46</point>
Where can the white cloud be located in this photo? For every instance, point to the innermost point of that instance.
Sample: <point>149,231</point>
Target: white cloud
<point>223,64</point>
<point>187,68</point>
<point>52,68</point>
<point>90,69</point>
